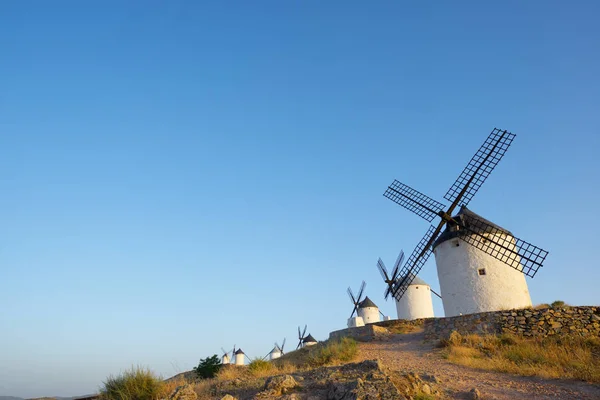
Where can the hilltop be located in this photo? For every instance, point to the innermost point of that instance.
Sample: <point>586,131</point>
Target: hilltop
<point>397,362</point>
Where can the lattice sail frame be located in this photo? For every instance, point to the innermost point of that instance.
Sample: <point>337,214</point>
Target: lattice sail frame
<point>413,200</point>
<point>481,164</point>
<point>514,252</point>
<point>415,262</point>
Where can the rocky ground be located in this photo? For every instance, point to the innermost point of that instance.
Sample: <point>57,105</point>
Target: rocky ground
<point>395,367</point>
<point>409,352</point>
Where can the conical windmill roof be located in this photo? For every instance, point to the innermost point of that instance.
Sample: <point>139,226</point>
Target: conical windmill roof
<point>416,280</point>
<point>239,351</point>
<point>467,216</point>
<point>366,303</point>
<point>309,339</point>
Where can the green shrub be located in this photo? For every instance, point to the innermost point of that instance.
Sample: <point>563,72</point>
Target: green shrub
<point>135,384</point>
<point>208,367</point>
<point>558,304</point>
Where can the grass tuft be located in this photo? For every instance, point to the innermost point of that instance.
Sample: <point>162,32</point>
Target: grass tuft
<point>332,352</point>
<point>558,304</point>
<point>551,357</point>
<point>135,384</point>
<point>259,367</point>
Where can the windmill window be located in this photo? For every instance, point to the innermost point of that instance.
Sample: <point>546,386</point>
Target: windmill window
<point>481,271</point>
<point>455,243</point>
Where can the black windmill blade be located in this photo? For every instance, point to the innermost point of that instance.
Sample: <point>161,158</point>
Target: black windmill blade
<point>391,280</point>
<point>413,200</point>
<point>361,291</point>
<point>383,270</point>
<point>225,352</point>
<point>480,167</point>
<point>353,300</point>
<point>465,187</point>
<point>502,245</point>
<point>416,261</point>
<point>301,336</point>
<point>282,346</point>
<point>386,278</point>
<point>397,265</point>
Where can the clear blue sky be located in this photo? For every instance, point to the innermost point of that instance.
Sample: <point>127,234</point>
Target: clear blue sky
<point>180,176</point>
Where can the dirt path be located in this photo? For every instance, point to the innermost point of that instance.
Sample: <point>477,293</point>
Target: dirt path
<point>408,353</point>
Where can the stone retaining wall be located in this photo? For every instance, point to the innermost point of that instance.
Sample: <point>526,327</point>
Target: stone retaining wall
<point>582,321</point>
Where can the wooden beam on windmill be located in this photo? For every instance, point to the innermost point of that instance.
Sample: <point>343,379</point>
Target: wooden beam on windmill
<point>514,252</point>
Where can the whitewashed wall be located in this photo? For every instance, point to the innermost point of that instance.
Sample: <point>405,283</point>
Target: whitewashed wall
<point>415,303</point>
<point>465,291</point>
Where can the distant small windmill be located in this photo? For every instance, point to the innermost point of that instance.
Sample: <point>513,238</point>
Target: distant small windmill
<point>240,357</point>
<point>309,340</point>
<point>226,358</point>
<point>276,352</point>
<point>471,277</point>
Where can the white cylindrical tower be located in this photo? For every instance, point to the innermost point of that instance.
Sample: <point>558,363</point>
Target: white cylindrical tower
<point>368,311</point>
<point>275,353</point>
<point>416,302</point>
<point>225,359</point>
<point>239,357</point>
<point>472,281</point>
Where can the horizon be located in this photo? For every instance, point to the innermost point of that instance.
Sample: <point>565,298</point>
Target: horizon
<point>183,177</point>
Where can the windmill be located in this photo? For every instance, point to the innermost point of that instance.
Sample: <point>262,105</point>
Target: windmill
<point>368,311</point>
<point>240,357</point>
<point>276,352</point>
<point>301,337</point>
<point>491,287</point>
<point>309,340</point>
<point>415,303</point>
<point>226,358</point>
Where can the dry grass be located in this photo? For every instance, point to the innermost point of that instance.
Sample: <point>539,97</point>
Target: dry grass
<point>138,383</point>
<point>551,357</point>
<point>331,352</point>
<point>402,329</point>
<point>170,385</point>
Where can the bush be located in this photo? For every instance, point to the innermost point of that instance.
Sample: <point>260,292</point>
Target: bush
<point>558,304</point>
<point>260,367</point>
<point>208,367</point>
<point>135,384</point>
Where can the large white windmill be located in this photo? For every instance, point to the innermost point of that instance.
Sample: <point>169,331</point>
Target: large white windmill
<point>472,254</point>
